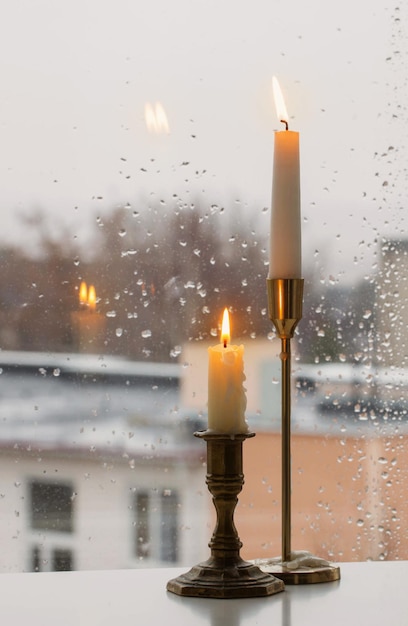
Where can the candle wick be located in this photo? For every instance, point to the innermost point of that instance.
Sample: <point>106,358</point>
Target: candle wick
<point>225,343</point>
<point>286,124</point>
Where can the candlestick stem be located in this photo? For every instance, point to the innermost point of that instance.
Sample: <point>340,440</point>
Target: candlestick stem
<point>285,299</point>
<point>286,451</point>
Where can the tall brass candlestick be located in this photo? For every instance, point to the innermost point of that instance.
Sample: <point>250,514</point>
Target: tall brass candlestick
<point>285,299</point>
<point>225,574</point>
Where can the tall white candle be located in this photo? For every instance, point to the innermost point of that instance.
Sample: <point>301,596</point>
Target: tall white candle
<point>285,259</point>
<point>226,393</point>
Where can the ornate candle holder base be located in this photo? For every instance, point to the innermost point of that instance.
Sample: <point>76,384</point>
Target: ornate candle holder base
<point>302,569</point>
<point>218,579</point>
<point>225,574</point>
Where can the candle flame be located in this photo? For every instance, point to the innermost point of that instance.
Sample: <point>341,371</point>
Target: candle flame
<point>92,298</point>
<point>156,119</point>
<point>225,329</point>
<point>279,102</point>
<point>83,294</point>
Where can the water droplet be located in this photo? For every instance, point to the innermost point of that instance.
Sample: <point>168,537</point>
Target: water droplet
<point>56,372</point>
<point>175,352</point>
<point>119,332</point>
<point>146,334</point>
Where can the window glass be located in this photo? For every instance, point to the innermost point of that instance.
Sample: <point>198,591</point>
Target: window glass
<point>136,168</point>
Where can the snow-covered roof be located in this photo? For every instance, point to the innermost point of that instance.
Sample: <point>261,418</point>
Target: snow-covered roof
<point>91,404</point>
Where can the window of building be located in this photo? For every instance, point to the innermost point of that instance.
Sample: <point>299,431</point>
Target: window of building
<point>169,540</point>
<point>51,559</point>
<point>143,537</point>
<point>157,525</point>
<point>62,560</point>
<point>51,506</point>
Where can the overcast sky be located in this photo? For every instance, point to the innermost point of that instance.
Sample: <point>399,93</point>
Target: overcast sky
<point>75,77</point>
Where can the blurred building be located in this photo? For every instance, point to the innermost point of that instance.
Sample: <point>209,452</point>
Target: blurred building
<point>98,469</point>
<point>349,459</point>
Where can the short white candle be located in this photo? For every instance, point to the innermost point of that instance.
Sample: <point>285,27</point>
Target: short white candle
<point>285,259</point>
<point>226,393</point>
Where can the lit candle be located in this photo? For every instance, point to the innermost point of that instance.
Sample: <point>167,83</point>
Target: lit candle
<point>226,393</point>
<point>285,260</point>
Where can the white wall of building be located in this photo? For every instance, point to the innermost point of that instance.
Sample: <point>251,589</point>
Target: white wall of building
<point>104,534</point>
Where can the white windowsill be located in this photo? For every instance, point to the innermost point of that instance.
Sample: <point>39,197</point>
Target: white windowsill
<point>368,593</point>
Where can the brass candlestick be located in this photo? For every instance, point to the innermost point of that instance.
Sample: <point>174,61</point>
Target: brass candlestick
<point>285,299</point>
<point>225,574</point>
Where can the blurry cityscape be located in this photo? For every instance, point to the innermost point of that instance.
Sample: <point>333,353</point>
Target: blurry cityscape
<point>101,392</point>
<point>162,276</point>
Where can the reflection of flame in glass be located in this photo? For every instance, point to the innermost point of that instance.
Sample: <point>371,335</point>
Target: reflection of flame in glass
<point>92,298</point>
<point>83,293</point>
<point>156,118</point>
<point>279,101</point>
<point>87,297</point>
<point>225,329</point>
